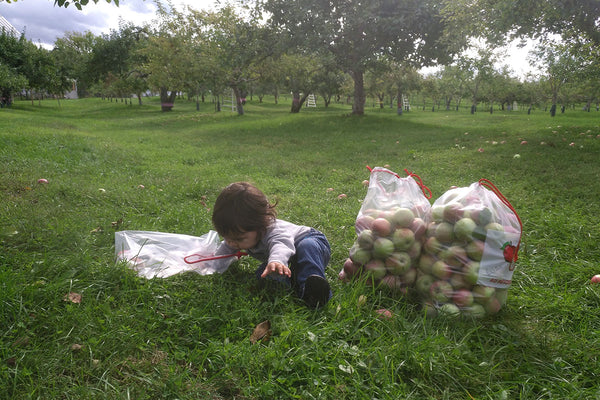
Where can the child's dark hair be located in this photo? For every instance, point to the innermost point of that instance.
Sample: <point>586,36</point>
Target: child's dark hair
<point>242,207</point>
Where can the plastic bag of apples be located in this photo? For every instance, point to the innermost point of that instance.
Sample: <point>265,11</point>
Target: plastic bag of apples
<point>469,253</point>
<point>390,229</point>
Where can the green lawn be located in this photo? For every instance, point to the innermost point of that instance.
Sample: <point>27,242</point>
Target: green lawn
<point>187,337</point>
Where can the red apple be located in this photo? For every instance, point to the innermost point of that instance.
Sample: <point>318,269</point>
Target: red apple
<point>595,279</point>
<point>453,212</point>
<point>351,268</point>
<point>363,222</point>
<point>419,227</point>
<point>463,298</point>
<point>381,227</point>
<point>376,269</point>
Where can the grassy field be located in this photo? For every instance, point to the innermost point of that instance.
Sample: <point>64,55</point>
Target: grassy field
<point>187,337</point>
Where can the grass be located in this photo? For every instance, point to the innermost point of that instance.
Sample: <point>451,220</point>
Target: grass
<point>187,337</point>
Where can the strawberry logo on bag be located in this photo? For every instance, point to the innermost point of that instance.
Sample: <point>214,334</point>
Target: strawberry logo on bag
<point>509,251</point>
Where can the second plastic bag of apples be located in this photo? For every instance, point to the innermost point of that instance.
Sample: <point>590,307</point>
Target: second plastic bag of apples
<point>469,253</point>
<point>390,229</point>
<point>457,255</point>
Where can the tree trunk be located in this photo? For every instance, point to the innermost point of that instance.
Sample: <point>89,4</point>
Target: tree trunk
<point>400,105</point>
<point>167,99</point>
<point>238,100</point>
<point>297,101</point>
<point>358,105</point>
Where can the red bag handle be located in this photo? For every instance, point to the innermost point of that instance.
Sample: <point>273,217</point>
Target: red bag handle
<point>486,183</point>
<point>426,191</point>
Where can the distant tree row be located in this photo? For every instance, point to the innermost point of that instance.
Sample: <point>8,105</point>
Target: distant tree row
<point>337,49</point>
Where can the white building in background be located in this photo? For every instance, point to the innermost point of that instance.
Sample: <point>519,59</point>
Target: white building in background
<point>8,28</point>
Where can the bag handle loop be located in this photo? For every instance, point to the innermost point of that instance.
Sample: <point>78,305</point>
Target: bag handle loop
<point>196,258</point>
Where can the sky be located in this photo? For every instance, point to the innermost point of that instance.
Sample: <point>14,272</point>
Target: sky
<point>43,23</point>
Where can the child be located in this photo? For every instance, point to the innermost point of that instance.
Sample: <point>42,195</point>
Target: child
<point>296,254</point>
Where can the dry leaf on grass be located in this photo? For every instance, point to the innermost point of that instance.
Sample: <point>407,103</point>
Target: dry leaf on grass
<point>77,347</point>
<point>72,297</point>
<point>261,333</point>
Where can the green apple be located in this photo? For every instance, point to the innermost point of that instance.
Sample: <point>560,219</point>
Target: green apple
<point>398,263</point>
<point>441,291</point>
<point>360,256</point>
<point>475,249</point>
<point>365,239</point>
<point>482,294</point>
<point>471,272</point>
<point>441,270</point>
<point>463,229</point>
<point>423,284</point>
<point>403,239</point>
<point>383,248</point>
<point>426,261</point>
<point>403,217</point>
<point>449,310</point>
<point>444,232</point>
<point>432,245</point>
<point>475,311</point>
<point>437,213</point>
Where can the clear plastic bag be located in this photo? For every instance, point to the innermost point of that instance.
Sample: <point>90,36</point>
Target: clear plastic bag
<point>390,230</point>
<point>158,254</point>
<point>473,237</point>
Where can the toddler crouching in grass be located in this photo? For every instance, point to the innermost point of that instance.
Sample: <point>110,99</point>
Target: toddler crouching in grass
<point>295,254</point>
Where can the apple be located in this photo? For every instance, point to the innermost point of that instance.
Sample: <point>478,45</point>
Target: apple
<point>360,256</point>
<point>595,279</point>
<point>426,262</point>
<point>363,222</point>
<point>458,282</point>
<point>365,239</point>
<point>455,256</point>
<point>432,245</point>
<point>423,284</point>
<point>403,239</point>
<point>482,294</point>
<point>463,229</point>
<point>430,310</point>
<point>392,282</point>
<point>494,226</point>
<point>502,295</point>
<point>383,248</point>
<point>449,310</point>
<point>475,249</point>
<point>350,268</point>
<point>444,232</point>
<point>375,269</point>
<point>441,270</point>
<point>463,298</point>
<point>403,217</point>
<point>484,216</point>
<point>475,311</point>
<point>415,250</point>
<point>419,227</point>
<point>453,212</point>
<point>492,306</point>
<point>409,276</point>
<point>441,291</point>
<point>437,213</point>
<point>398,263</point>
<point>471,272</point>
<point>381,227</point>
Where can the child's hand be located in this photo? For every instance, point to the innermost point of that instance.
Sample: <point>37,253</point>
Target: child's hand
<point>275,267</point>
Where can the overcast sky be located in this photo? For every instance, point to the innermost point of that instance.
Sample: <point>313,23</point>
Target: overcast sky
<point>43,23</point>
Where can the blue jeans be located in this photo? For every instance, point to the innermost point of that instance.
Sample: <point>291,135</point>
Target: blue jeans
<point>311,258</point>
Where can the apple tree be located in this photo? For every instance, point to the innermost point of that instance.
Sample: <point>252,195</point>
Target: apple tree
<point>358,32</point>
